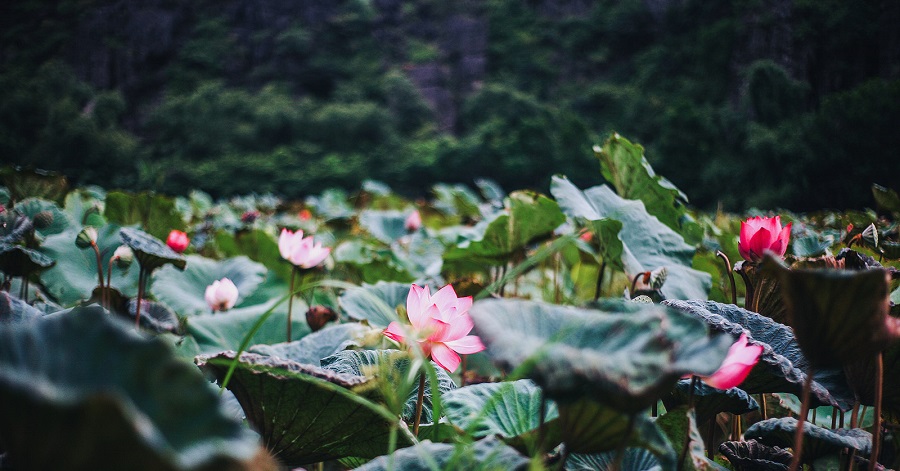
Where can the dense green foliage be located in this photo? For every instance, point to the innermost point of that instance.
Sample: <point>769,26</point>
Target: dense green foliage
<point>744,103</point>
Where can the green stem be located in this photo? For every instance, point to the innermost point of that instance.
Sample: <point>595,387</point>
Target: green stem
<point>106,299</point>
<point>876,433</point>
<point>99,264</point>
<point>724,258</point>
<point>763,407</point>
<point>291,302</point>
<point>634,283</point>
<point>748,285</point>
<point>687,432</point>
<point>600,274</point>
<point>140,295</point>
<point>419,400</point>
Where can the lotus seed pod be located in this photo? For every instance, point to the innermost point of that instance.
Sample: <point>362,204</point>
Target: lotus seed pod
<point>43,219</point>
<point>870,235</point>
<point>658,277</point>
<point>86,238</point>
<point>123,256</point>
<point>318,316</point>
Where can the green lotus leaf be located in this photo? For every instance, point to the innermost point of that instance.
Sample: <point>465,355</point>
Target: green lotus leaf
<point>766,297</point>
<point>648,244</point>
<point>509,409</point>
<point>151,252</point>
<point>530,217</point>
<point>317,345</point>
<point>331,204</point>
<point>709,401</point>
<point>304,413</point>
<point>456,200</point>
<point>886,198</point>
<point>483,455</point>
<point>490,190</point>
<point>386,226</point>
<point>752,455</point>
<point>391,366</point>
<point>211,333</point>
<point>623,165</point>
<point>680,421</point>
<point>782,366</point>
<point>74,276</point>
<point>156,317</point>
<point>812,245</point>
<point>817,441</point>
<point>633,459</point>
<point>184,290</point>
<point>420,255</point>
<point>16,260</point>
<point>13,309</point>
<point>125,393</point>
<point>839,316</point>
<point>156,214</point>
<point>605,235</point>
<point>624,354</point>
<point>373,263</point>
<point>85,206</point>
<point>376,303</point>
<point>861,376</point>
<point>58,219</point>
<point>15,228</point>
<point>24,183</point>
<point>588,426</point>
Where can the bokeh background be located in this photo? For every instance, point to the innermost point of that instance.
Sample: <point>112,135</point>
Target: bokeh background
<point>740,103</point>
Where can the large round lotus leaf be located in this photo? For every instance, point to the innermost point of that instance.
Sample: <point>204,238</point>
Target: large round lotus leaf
<point>862,379</point>
<point>58,220</point>
<point>74,276</point>
<point>386,226</point>
<point>13,309</point>
<point>374,263</point>
<point>376,303</point>
<point>488,454</point>
<point>85,206</point>
<point>420,255</point>
<point>16,260</point>
<point>633,459</point>
<point>817,441</point>
<point>257,244</point>
<point>648,243</point>
<point>754,456</point>
<point>213,333</point>
<point>304,413</point>
<point>839,316</point>
<point>150,252</point>
<point>782,366</point>
<point>709,401</point>
<point>511,410</point>
<point>317,345</point>
<point>390,366</point>
<point>79,390</point>
<point>530,217</point>
<point>155,317</point>
<point>184,290</point>
<point>590,427</point>
<point>624,354</point>
<point>678,422</point>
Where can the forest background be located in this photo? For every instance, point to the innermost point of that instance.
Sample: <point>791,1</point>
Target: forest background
<point>740,103</point>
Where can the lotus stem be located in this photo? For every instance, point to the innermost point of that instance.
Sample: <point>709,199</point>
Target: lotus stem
<point>654,409</point>
<point>834,416</point>
<point>542,432</point>
<point>763,407</point>
<point>711,437</point>
<point>291,301</point>
<point>462,374</point>
<point>556,290</point>
<point>634,282</point>
<point>687,433</point>
<point>798,433</point>
<point>99,264</point>
<point>724,258</point>
<point>105,299</point>
<point>23,290</point>
<point>862,416</point>
<point>599,290</point>
<point>419,399</point>
<point>620,449</point>
<point>876,433</point>
<point>814,415</point>
<point>748,285</point>
<point>854,416</point>
<point>502,275</point>
<point>140,295</point>
<point>564,456</point>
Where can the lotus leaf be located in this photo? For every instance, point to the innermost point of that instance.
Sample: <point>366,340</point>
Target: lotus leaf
<point>709,401</point>
<point>817,441</point>
<point>483,455</point>
<point>157,214</point>
<point>752,455</point>
<point>386,226</point>
<point>317,345</point>
<point>184,290</point>
<point>150,252</point>
<point>680,421</point>
<point>16,260</point>
<point>13,309</point>
<point>633,459</point>
<point>59,220</point>
<point>376,303</point>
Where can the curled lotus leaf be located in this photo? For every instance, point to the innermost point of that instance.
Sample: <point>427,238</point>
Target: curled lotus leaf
<point>839,316</point>
<point>150,252</point>
<point>16,260</point>
<point>126,393</point>
<point>483,455</point>
<point>510,410</point>
<point>623,354</point>
<point>782,366</point>
<point>13,309</point>
<point>752,455</point>
<point>317,345</point>
<point>285,400</point>
<point>817,441</point>
<point>709,401</point>
<point>390,366</point>
<point>861,376</point>
<point>633,459</point>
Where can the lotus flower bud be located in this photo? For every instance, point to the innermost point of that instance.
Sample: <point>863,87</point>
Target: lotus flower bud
<point>178,241</point>
<point>249,217</point>
<point>305,215</point>
<point>123,256</point>
<point>86,238</point>
<point>318,316</point>
<point>43,219</point>
<point>413,221</point>
<point>221,295</point>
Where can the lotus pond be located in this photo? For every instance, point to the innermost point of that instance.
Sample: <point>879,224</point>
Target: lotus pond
<point>611,327</point>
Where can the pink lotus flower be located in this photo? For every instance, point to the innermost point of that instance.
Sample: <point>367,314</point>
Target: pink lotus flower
<point>736,366</point>
<point>177,241</point>
<point>413,221</point>
<point>440,325</point>
<point>303,252</point>
<point>759,234</point>
<point>221,295</point>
